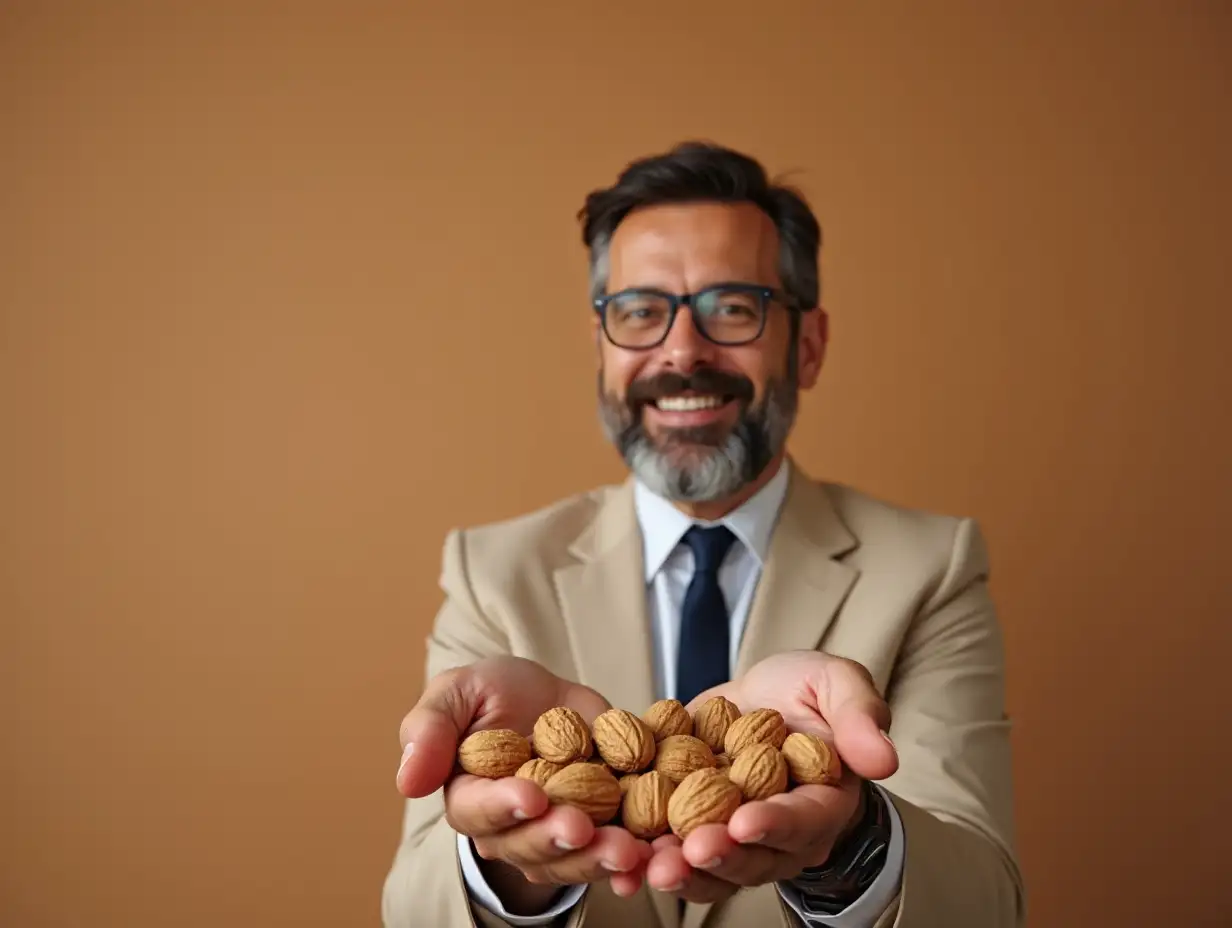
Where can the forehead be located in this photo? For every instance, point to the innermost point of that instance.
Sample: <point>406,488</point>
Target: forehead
<point>685,246</point>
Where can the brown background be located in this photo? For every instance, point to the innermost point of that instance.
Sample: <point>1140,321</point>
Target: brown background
<point>287,291</point>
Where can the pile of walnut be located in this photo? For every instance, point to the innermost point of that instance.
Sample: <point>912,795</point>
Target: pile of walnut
<point>675,771</point>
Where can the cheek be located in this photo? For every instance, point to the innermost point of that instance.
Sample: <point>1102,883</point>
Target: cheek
<point>618,371</point>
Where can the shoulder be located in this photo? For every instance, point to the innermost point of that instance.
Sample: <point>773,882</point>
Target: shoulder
<point>543,535</point>
<point>940,548</point>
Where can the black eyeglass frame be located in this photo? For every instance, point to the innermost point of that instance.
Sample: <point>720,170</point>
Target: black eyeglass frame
<point>767,295</point>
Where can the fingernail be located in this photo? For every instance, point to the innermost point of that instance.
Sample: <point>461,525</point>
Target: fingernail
<point>563,844</point>
<point>520,815</point>
<point>754,839</point>
<point>674,888</point>
<point>710,864</point>
<point>406,755</point>
<point>608,865</point>
<point>889,741</point>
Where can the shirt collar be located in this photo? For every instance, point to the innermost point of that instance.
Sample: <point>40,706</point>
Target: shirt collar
<point>663,525</point>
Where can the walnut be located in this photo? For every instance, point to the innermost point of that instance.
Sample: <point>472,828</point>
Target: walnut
<point>538,770</point>
<point>624,741</point>
<point>760,771</point>
<point>668,717</point>
<point>588,787</point>
<point>811,760</point>
<point>712,719</point>
<point>494,753</point>
<point>562,736</point>
<point>722,762</point>
<point>704,797</point>
<point>598,762</point>
<point>680,755</point>
<point>759,726</point>
<point>627,781</point>
<point>644,810</point>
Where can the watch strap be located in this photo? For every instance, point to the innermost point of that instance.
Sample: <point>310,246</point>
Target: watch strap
<point>854,863</point>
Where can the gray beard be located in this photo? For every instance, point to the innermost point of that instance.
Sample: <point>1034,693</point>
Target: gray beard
<point>697,465</point>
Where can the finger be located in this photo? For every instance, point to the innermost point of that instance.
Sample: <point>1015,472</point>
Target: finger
<point>611,850</point>
<point>479,807</point>
<point>794,822</point>
<point>430,732</point>
<point>859,718</point>
<point>719,689</point>
<point>711,850</point>
<point>560,831</point>
<point>669,872</point>
<point>665,841</point>
<point>628,883</point>
<point>625,884</point>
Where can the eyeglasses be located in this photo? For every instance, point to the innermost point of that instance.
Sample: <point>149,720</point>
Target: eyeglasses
<point>727,314</point>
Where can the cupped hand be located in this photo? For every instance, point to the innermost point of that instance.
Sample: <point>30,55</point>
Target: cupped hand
<point>774,839</point>
<point>510,821</point>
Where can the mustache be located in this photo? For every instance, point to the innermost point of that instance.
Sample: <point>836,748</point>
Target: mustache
<point>706,380</point>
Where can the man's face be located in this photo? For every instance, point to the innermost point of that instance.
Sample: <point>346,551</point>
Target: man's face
<point>695,420</point>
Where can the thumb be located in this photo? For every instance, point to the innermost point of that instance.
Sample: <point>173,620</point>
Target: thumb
<point>431,731</point>
<point>859,718</point>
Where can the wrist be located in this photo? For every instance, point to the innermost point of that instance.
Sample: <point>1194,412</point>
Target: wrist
<point>517,894</point>
<point>855,861</point>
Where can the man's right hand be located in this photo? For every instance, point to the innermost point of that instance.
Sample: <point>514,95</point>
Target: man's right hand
<point>528,842</point>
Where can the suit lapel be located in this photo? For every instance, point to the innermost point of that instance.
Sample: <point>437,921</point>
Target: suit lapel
<point>602,597</point>
<point>803,584</point>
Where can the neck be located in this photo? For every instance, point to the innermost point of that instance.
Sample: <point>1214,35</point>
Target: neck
<point>715,509</point>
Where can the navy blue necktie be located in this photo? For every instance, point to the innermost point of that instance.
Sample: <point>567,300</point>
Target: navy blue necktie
<point>702,661</point>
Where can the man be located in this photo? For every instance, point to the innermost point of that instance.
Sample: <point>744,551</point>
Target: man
<point>718,567</point>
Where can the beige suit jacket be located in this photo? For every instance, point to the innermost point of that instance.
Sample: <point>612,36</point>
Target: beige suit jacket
<point>901,591</point>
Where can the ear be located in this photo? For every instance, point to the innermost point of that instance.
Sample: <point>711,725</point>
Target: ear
<point>596,332</point>
<point>814,336</point>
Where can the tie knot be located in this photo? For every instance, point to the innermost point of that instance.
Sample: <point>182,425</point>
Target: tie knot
<point>709,546</point>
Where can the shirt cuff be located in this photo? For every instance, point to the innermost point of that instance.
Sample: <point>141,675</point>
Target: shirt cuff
<point>482,893</point>
<point>864,912</point>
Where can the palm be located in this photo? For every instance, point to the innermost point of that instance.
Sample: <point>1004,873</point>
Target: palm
<point>789,683</point>
<point>498,692</point>
<point>513,693</point>
<point>828,696</point>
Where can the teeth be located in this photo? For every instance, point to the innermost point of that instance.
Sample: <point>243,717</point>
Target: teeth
<point>689,403</point>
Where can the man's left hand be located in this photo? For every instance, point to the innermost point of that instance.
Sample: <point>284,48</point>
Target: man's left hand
<point>774,839</point>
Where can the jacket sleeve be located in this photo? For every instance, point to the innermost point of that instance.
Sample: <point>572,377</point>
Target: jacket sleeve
<point>425,885</point>
<point>953,789</point>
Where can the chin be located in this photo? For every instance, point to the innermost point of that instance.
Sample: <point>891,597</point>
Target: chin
<point>691,472</point>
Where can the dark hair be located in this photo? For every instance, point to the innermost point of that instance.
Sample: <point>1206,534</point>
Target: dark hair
<point>703,171</point>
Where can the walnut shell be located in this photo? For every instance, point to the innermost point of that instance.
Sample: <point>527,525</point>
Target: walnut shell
<point>704,797</point>
<point>562,736</point>
<point>760,771</point>
<point>625,742</point>
<point>811,760</point>
<point>680,755</point>
<point>494,753</point>
<point>761,726</point>
<point>598,762</point>
<point>644,810</point>
<point>627,781</point>
<point>588,787</point>
<point>722,762</point>
<point>538,770</point>
<point>668,717</point>
<point>712,719</point>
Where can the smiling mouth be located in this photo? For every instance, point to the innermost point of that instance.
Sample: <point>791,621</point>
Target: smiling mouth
<point>691,403</point>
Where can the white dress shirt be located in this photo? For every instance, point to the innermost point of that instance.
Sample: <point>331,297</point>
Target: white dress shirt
<point>669,569</point>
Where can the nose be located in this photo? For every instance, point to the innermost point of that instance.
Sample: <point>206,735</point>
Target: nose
<point>685,347</point>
